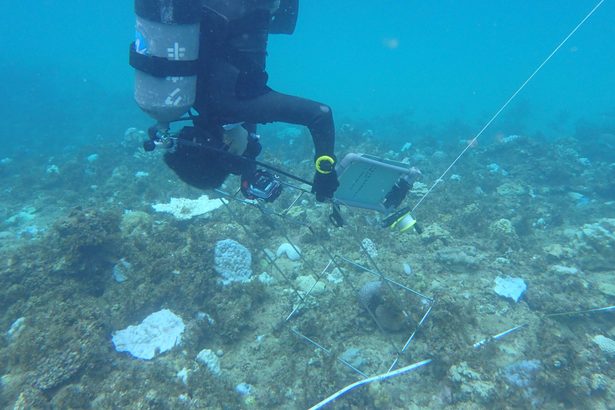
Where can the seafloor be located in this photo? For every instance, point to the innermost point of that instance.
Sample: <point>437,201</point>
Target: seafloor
<point>525,207</point>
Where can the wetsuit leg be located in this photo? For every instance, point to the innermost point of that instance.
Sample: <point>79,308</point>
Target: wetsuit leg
<point>277,107</point>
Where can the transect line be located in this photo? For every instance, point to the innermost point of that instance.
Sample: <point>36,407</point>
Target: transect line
<point>512,97</point>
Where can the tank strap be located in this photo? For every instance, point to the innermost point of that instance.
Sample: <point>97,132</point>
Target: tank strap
<point>160,66</point>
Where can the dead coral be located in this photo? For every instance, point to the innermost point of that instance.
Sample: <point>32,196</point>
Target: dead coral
<point>85,240</point>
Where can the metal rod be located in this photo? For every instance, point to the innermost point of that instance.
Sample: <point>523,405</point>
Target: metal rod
<point>483,342</point>
<point>403,350</point>
<point>358,266</point>
<point>579,312</point>
<point>377,378</point>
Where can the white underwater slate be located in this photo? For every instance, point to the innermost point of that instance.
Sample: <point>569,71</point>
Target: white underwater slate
<point>158,333</point>
<point>510,287</point>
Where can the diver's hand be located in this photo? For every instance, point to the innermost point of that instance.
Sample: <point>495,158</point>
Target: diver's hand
<point>324,185</point>
<point>325,178</point>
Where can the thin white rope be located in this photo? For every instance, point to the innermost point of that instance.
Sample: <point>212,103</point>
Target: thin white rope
<point>512,97</point>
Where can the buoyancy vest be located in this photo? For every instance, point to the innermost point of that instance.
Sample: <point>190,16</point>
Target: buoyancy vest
<point>236,33</point>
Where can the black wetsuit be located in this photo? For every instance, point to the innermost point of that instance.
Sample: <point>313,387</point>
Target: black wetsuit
<point>232,88</point>
<point>233,79</point>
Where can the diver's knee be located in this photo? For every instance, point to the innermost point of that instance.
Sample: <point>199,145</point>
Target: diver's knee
<point>323,113</point>
<point>325,109</point>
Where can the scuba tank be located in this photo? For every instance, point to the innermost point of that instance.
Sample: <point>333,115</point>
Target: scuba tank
<point>165,56</point>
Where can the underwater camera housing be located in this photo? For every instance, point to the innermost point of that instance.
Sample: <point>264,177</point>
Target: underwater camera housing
<point>378,184</point>
<point>159,138</point>
<point>262,185</point>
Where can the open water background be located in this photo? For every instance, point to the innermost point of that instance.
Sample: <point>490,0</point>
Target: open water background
<point>444,66</point>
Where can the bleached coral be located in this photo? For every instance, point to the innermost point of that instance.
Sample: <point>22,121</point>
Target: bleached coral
<point>184,208</point>
<point>510,287</point>
<point>419,189</point>
<point>595,244</point>
<point>605,344</point>
<point>370,247</point>
<point>232,261</point>
<point>290,251</point>
<point>209,359</point>
<point>159,332</point>
<point>599,235</point>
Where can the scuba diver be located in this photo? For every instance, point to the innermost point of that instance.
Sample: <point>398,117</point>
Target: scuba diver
<point>231,95</point>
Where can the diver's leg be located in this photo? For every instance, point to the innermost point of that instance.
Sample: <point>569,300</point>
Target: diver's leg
<point>277,107</point>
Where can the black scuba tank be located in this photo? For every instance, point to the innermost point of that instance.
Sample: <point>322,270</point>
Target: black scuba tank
<point>165,56</point>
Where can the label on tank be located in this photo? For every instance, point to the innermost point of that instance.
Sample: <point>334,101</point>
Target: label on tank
<point>174,98</point>
<point>140,43</point>
<point>176,52</point>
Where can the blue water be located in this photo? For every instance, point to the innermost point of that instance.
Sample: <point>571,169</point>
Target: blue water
<point>429,73</point>
<point>66,79</point>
